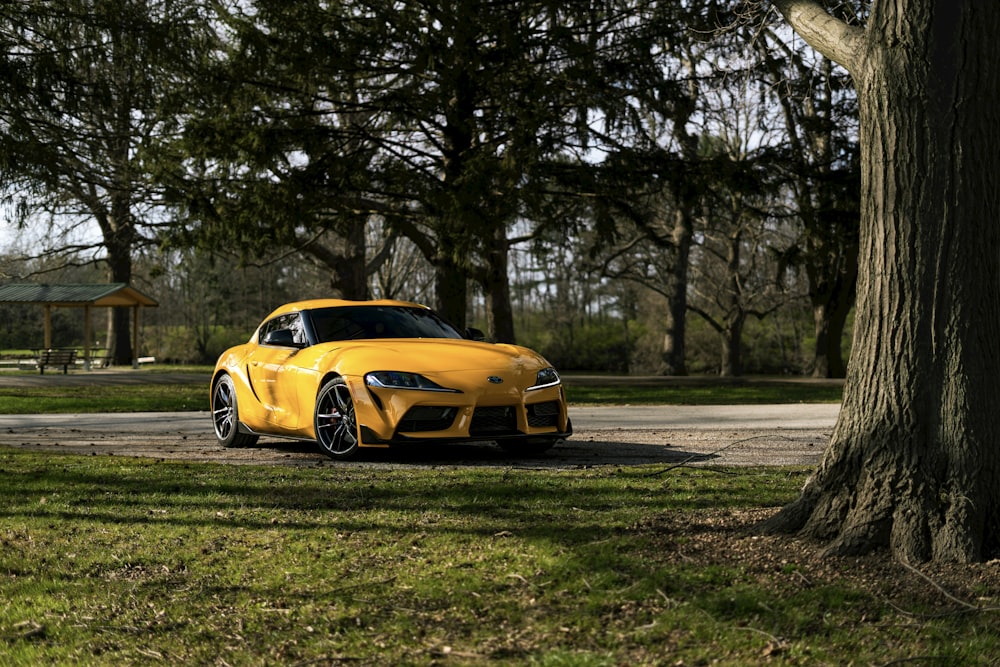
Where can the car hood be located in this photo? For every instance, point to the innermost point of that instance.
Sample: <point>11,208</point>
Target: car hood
<point>433,355</point>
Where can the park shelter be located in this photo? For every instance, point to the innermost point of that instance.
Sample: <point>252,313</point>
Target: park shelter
<point>80,295</point>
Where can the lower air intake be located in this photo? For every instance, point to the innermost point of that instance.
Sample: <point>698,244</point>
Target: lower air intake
<point>493,421</point>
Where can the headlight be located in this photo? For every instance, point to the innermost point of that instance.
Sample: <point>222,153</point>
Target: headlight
<point>547,377</point>
<point>400,380</point>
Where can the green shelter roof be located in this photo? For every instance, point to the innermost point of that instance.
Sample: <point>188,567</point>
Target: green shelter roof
<point>79,294</point>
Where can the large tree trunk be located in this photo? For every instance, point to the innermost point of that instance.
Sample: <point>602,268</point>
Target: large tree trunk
<point>344,256</point>
<point>118,241</point>
<point>451,293</point>
<point>914,463</point>
<point>674,347</point>
<point>496,286</point>
<point>831,306</point>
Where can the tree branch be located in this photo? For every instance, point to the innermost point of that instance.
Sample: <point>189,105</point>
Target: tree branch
<point>832,37</point>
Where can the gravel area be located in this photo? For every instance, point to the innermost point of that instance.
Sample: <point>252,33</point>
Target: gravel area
<point>189,436</point>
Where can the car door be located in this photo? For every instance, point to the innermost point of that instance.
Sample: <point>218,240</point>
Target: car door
<point>268,365</point>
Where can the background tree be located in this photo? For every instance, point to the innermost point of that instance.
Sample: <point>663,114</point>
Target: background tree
<point>652,181</point>
<point>507,148</point>
<point>85,83</point>
<point>276,144</point>
<point>447,121</point>
<point>913,463</point>
<point>819,161</point>
<point>736,275</point>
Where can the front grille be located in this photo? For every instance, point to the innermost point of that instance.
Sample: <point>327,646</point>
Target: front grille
<point>541,415</point>
<point>493,421</point>
<point>426,418</point>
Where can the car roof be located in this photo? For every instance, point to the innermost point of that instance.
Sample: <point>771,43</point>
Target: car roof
<point>313,304</point>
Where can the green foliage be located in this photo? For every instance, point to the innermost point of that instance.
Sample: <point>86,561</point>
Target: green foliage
<point>600,346</point>
<point>23,326</point>
<point>267,126</point>
<point>192,345</point>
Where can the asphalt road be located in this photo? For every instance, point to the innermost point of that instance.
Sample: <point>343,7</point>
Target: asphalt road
<point>794,434</point>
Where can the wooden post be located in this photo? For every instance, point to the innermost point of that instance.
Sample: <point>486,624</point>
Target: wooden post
<point>48,326</point>
<point>86,337</point>
<point>135,336</point>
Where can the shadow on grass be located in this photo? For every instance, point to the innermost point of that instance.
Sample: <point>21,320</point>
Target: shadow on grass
<point>478,489</point>
<point>567,454</point>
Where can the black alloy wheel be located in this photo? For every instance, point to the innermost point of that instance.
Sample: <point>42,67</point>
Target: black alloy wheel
<point>336,424</point>
<point>226,415</point>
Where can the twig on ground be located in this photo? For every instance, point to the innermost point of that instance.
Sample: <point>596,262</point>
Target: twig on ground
<point>697,457</point>
<point>964,607</point>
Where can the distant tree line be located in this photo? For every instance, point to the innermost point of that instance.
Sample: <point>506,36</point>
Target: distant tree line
<point>610,181</point>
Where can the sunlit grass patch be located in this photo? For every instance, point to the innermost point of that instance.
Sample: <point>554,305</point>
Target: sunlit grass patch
<point>107,560</point>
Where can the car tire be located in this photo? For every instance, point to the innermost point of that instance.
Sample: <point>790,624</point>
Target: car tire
<point>226,415</point>
<point>528,446</point>
<point>335,421</point>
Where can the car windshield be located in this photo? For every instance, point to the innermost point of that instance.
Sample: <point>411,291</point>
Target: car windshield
<point>354,322</point>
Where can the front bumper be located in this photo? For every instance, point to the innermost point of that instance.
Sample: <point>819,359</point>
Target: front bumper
<point>388,417</point>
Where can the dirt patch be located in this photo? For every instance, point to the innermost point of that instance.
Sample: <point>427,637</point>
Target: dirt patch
<point>913,595</point>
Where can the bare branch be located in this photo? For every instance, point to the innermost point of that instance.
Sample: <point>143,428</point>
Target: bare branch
<point>832,37</point>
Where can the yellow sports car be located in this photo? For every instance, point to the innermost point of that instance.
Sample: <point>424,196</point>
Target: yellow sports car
<point>353,374</point>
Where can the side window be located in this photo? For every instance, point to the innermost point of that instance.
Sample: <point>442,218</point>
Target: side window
<point>294,322</point>
<point>290,321</point>
<point>267,328</point>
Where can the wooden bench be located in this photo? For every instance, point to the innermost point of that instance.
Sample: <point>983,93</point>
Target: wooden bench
<point>56,357</point>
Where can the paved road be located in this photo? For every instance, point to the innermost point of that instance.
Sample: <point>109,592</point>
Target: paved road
<point>616,435</point>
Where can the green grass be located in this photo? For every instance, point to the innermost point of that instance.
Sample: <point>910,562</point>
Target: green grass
<point>56,399</point>
<point>113,561</point>
<point>704,394</point>
<point>146,392</point>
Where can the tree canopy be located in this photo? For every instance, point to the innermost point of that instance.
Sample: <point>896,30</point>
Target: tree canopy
<point>81,105</point>
<point>614,136</point>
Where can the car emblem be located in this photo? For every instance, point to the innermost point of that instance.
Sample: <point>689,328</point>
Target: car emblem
<point>493,379</point>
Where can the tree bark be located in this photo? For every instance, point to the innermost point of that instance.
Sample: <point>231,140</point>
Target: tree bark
<point>913,463</point>
<point>451,293</point>
<point>119,248</point>
<point>732,352</point>
<point>118,230</point>
<point>688,198</point>
<point>674,349</point>
<point>496,287</point>
<point>829,321</point>
<point>345,258</point>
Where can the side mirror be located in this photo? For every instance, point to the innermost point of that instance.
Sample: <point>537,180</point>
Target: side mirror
<point>475,334</point>
<point>281,338</point>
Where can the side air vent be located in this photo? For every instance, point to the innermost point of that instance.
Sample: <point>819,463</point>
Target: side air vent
<point>541,415</point>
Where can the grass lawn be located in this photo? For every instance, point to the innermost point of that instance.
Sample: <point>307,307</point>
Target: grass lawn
<point>704,394</point>
<point>115,561</point>
<point>118,561</point>
<point>178,397</point>
<point>191,393</point>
